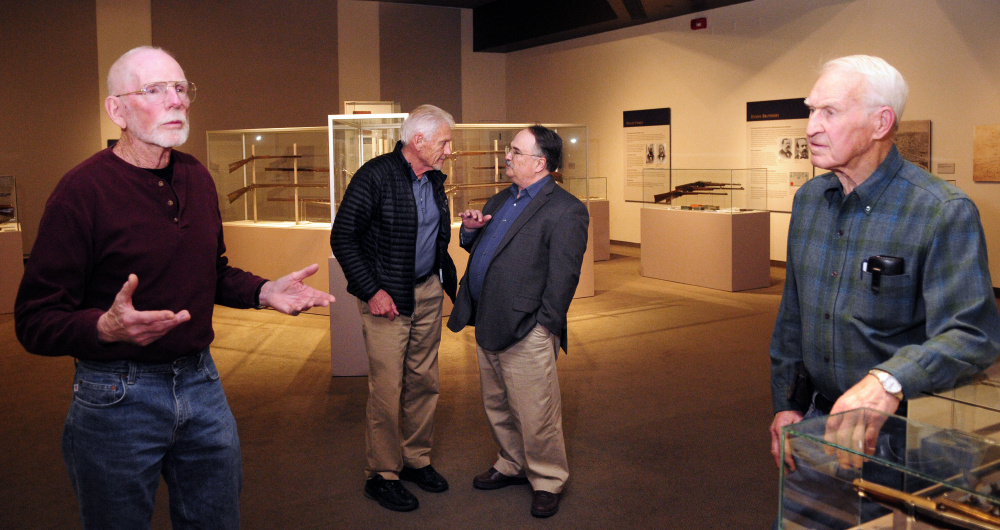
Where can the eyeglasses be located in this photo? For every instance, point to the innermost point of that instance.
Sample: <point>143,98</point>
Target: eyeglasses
<point>513,151</point>
<point>157,92</point>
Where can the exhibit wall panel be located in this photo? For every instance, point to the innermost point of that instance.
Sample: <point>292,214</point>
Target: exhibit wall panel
<point>260,65</point>
<point>421,56</point>
<point>50,106</point>
<point>763,50</point>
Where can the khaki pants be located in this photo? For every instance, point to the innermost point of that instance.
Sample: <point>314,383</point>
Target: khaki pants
<point>521,396</point>
<point>402,377</point>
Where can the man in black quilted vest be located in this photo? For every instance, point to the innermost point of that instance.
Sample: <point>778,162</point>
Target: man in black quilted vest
<point>391,237</point>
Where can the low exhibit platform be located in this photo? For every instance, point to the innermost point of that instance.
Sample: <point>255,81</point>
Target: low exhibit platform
<point>729,251</point>
<point>274,249</point>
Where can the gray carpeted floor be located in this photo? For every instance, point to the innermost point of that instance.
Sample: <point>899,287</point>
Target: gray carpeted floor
<point>666,402</point>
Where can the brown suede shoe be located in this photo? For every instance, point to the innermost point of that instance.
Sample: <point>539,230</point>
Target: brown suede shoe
<point>492,479</point>
<point>544,504</point>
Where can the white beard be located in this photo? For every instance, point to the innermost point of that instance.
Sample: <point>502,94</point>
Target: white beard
<point>164,138</point>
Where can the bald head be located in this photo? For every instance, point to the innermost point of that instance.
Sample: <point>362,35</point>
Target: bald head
<point>124,73</point>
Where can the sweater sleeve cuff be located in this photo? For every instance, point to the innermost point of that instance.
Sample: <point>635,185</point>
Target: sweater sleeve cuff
<point>256,296</point>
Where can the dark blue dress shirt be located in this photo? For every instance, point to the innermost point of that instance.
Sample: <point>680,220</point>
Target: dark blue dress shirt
<point>496,229</point>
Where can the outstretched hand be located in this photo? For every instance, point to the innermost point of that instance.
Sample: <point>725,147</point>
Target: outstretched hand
<point>123,323</point>
<point>290,296</point>
<point>474,219</point>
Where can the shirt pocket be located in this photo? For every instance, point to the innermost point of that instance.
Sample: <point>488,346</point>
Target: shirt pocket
<point>891,309</point>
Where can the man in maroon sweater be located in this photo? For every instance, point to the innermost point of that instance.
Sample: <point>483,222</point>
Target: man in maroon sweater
<point>146,397</point>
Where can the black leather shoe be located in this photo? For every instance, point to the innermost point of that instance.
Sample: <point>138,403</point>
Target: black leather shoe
<point>492,479</point>
<point>544,504</point>
<point>426,478</point>
<point>390,494</point>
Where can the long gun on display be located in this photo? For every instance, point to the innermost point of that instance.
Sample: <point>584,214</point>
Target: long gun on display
<point>240,192</point>
<point>456,154</point>
<point>939,509</point>
<point>240,163</point>
<point>6,213</point>
<point>475,186</point>
<point>308,200</point>
<point>305,169</point>
<point>696,188</point>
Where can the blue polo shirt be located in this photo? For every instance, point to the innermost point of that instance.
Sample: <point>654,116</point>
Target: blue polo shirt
<point>495,231</point>
<point>428,217</point>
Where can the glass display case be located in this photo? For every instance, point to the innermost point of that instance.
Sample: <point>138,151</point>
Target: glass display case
<point>476,168</point>
<point>916,475</point>
<point>723,190</point>
<point>8,204</point>
<point>972,407</point>
<point>271,175</point>
<point>355,139</point>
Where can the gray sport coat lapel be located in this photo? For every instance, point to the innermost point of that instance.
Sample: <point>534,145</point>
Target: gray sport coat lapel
<point>536,203</point>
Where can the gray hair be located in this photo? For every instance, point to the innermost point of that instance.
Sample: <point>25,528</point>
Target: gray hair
<point>424,120</point>
<point>118,70</point>
<point>886,86</point>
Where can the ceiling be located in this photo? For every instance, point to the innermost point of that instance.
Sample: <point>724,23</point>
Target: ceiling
<point>510,25</point>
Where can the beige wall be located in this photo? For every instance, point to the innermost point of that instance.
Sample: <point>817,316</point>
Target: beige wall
<point>121,26</point>
<point>483,78</point>
<point>761,50</point>
<point>259,64</point>
<point>357,41</point>
<point>49,101</point>
<point>421,61</point>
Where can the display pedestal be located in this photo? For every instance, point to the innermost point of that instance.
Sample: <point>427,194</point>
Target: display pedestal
<point>274,249</point>
<point>348,356</point>
<point>725,251</point>
<point>11,268</point>
<point>600,221</point>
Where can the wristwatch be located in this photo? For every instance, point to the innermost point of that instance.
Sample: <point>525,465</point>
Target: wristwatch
<point>889,383</point>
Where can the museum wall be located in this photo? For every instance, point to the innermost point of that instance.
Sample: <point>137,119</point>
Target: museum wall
<point>49,99</point>
<point>483,78</point>
<point>260,64</point>
<point>357,47</point>
<point>266,64</point>
<point>762,50</point>
<point>420,49</point>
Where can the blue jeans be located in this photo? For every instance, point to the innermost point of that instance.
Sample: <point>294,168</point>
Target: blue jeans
<point>131,422</point>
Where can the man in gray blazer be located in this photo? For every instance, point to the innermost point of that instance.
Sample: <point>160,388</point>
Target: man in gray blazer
<point>526,247</point>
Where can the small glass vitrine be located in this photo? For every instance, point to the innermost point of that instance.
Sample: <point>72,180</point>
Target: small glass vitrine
<point>915,476</point>
<point>8,204</point>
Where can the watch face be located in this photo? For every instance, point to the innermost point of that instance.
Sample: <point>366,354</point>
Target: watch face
<point>890,384</point>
